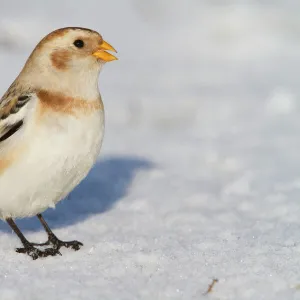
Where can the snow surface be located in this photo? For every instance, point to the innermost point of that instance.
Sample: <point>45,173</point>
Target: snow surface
<point>199,177</point>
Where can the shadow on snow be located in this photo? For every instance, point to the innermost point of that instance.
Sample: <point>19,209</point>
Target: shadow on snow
<point>106,184</point>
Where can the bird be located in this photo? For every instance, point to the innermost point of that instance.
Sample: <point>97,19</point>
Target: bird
<point>51,129</point>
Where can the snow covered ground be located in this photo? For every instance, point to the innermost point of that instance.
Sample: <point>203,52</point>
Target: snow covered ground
<point>199,176</point>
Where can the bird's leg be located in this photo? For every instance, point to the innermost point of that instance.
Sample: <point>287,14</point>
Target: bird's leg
<point>52,239</point>
<point>29,247</point>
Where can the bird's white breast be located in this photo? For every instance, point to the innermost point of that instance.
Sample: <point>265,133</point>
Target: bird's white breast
<point>58,155</point>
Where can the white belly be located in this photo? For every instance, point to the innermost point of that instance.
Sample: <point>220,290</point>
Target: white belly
<point>56,160</point>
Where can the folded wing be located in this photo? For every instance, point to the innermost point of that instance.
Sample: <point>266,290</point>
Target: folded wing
<point>12,107</point>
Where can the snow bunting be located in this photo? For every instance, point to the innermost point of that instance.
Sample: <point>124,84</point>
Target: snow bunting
<point>51,128</point>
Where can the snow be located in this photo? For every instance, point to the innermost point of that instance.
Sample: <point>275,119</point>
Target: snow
<point>199,176</point>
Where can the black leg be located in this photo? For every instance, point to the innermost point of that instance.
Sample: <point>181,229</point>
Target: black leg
<point>53,240</point>
<point>29,247</point>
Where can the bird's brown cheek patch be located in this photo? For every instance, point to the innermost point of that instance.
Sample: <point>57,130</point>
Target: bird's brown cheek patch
<point>60,59</point>
<point>65,105</point>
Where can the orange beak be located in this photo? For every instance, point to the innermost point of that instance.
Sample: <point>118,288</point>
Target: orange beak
<point>103,55</point>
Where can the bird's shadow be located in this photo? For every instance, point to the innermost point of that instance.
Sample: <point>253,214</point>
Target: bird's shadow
<point>106,184</point>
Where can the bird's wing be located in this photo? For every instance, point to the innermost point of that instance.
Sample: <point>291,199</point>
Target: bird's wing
<point>11,106</point>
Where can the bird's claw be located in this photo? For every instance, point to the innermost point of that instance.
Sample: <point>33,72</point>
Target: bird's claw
<point>75,245</point>
<point>35,253</point>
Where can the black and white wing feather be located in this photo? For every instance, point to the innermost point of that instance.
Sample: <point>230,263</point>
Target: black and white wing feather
<point>11,106</point>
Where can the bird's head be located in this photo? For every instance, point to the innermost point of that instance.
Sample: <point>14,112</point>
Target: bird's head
<point>68,56</point>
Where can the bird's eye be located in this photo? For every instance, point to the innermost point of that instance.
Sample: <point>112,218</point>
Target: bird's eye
<point>79,43</point>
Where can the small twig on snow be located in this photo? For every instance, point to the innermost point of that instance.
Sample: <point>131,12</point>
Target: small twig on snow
<point>211,286</point>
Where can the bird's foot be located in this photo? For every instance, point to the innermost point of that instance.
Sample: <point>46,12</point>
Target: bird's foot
<point>57,244</point>
<point>35,253</point>
<point>53,240</point>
